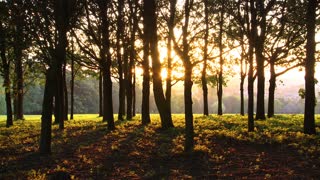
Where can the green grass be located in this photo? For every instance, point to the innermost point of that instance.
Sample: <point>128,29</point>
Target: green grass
<point>223,148</point>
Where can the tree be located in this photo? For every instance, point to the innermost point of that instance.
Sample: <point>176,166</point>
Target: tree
<point>5,63</point>
<point>120,29</point>
<point>309,120</point>
<point>285,37</point>
<point>205,58</point>
<point>145,111</point>
<point>19,44</point>
<point>62,14</point>
<point>252,30</point>
<point>183,53</point>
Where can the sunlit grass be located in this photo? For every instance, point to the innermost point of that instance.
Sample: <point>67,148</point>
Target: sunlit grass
<point>86,142</point>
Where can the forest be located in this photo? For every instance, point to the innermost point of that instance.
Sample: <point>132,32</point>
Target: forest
<point>173,89</point>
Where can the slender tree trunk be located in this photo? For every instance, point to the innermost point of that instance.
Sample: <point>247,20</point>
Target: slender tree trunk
<point>72,84</point>
<point>134,93</point>
<point>47,107</point>
<point>6,76</point>
<point>18,46</point>
<point>309,119</point>
<point>132,56</point>
<point>106,66</point>
<point>272,88</point>
<point>205,57</point>
<point>151,27</point>
<point>19,76</point>
<point>65,93</point>
<point>145,111</point>
<point>189,141</point>
<point>120,27</point>
<point>6,84</point>
<point>169,47</point>
<point>100,93</point>
<point>252,36</point>
<point>242,79</point>
<point>260,62</point>
<point>221,62</point>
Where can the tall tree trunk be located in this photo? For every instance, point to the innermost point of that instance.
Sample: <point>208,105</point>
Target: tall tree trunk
<point>189,141</point>
<point>47,107</point>
<point>260,62</point>
<point>221,61</point>
<point>205,57</point>
<point>134,93</point>
<point>65,93</point>
<point>19,74</point>
<point>72,82</point>
<point>106,66</point>
<point>100,92</point>
<point>145,110</point>
<point>252,36</point>
<point>169,47</point>
<point>120,27</point>
<point>309,119</point>
<point>242,79</point>
<point>132,56</point>
<point>150,22</point>
<point>272,88</point>
<point>6,76</point>
<point>18,46</point>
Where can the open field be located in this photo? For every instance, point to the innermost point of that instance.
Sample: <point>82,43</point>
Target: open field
<point>223,148</point>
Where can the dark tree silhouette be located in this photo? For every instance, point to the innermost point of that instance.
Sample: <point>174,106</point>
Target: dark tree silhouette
<point>309,120</point>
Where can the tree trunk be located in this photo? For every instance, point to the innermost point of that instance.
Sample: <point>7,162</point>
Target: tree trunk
<point>100,93</point>
<point>221,62</point>
<point>272,88</point>
<point>72,84</point>
<point>19,75</point>
<point>145,111</point>
<point>65,94</point>
<point>252,36</point>
<point>260,62</point>
<point>205,57</point>
<point>309,119</point>
<point>106,66</point>
<point>150,22</point>
<point>169,47</point>
<point>189,141</point>
<point>46,118</point>
<point>134,93</point>
<point>119,35</point>
<point>6,76</point>
<point>8,96</point>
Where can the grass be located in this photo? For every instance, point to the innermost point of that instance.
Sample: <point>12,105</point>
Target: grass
<point>223,149</point>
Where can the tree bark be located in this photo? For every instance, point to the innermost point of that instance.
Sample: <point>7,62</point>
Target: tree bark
<point>100,93</point>
<point>205,57</point>
<point>119,35</point>
<point>260,40</point>
<point>72,83</point>
<point>189,141</point>
<point>309,119</point>
<point>169,47</point>
<point>272,88</point>
<point>65,93</point>
<point>150,22</point>
<point>46,118</point>
<point>6,75</point>
<point>221,62</point>
<point>145,110</point>
<point>252,36</point>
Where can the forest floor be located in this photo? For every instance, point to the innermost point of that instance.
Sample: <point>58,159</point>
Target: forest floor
<point>223,149</point>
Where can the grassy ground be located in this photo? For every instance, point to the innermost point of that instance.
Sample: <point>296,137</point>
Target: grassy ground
<point>223,149</point>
